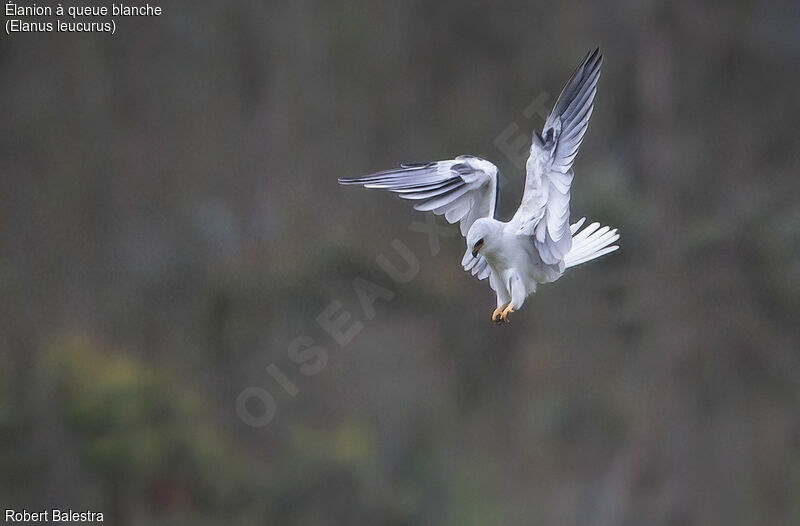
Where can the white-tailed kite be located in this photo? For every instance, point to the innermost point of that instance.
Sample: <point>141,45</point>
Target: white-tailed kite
<point>538,244</point>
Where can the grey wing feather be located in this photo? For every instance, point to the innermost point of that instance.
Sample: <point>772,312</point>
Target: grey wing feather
<point>570,116</point>
<point>463,189</point>
<point>544,212</point>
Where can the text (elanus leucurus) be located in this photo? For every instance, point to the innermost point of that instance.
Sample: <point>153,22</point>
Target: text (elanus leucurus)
<point>538,244</point>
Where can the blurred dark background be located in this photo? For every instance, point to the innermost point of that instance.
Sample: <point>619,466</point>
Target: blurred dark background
<point>171,224</point>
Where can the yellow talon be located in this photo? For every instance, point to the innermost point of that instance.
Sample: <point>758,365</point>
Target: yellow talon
<point>497,315</point>
<point>508,310</point>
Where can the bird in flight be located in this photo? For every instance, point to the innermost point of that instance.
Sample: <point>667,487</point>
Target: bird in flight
<point>538,244</point>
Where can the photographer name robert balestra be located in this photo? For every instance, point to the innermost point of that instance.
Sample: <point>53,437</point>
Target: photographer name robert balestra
<point>52,515</point>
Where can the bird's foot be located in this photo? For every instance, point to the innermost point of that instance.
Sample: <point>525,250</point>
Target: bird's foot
<point>508,310</point>
<point>500,314</point>
<point>497,315</point>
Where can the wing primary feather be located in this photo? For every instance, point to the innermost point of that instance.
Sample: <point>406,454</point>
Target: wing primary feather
<point>440,190</point>
<point>441,200</point>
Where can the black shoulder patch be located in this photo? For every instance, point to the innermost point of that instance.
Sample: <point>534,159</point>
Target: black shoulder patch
<point>461,169</point>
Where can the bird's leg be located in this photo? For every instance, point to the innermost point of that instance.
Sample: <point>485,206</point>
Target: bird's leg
<point>497,315</point>
<point>506,311</point>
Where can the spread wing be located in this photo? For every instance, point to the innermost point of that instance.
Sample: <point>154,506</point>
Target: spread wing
<point>544,211</point>
<point>463,189</point>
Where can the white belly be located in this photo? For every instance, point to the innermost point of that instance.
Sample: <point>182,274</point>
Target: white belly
<point>520,256</point>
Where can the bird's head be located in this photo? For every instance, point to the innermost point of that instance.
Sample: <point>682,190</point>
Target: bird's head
<point>482,235</point>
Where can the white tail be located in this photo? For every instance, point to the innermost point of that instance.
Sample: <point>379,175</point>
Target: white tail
<point>590,243</point>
